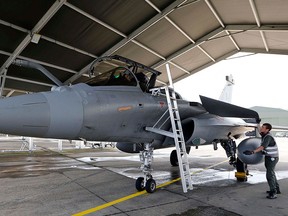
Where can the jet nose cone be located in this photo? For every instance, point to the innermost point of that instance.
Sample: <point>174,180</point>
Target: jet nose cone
<point>25,115</point>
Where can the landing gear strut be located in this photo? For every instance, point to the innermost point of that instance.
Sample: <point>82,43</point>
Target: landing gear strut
<point>230,148</point>
<point>147,182</point>
<point>242,171</point>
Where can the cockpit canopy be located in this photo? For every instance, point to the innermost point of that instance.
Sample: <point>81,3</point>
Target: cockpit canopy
<point>117,70</point>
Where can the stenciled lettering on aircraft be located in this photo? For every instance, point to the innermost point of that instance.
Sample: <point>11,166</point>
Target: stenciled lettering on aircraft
<point>124,108</point>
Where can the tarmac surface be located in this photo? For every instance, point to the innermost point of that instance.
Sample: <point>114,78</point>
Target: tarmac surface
<point>102,182</point>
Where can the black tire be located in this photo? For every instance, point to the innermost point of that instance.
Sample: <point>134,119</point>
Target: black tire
<point>174,158</point>
<point>188,149</point>
<point>140,184</point>
<point>150,186</point>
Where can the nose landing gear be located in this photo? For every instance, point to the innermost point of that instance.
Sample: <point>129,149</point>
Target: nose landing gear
<point>148,183</point>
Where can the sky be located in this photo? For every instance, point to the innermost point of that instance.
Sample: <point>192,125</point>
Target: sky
<point>260,80</point>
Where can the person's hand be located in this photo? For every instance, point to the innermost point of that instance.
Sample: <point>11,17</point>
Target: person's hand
<point>264,152</point>
<point>248,152</point>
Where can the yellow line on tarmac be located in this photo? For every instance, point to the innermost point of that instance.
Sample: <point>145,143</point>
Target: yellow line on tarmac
<point>97,208</point>
<point>114,202</point>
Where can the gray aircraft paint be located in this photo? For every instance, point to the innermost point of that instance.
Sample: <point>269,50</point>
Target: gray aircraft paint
<point>106,113</point>
<point>119,113</point>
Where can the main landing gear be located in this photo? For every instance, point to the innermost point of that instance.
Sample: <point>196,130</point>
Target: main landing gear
<point>230,148</point>
<point>147,182</point>
<point>242,171</point>
<point>174,158</point>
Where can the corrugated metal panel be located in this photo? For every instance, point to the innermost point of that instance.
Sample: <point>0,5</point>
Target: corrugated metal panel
<point>3,58</point>
<point>277,40</point>
<point>51,53</point>
<point>36,75</point>
<point>25,86</point>
<point>163,38</point>
<point>136,53</point>
<point>175,73</point>
<point>24,13</point>
<point>125,16</point>
<point>10,38</point>
<point>192,59</point>
<point>234,11</point>
<point>272,12</point>
<point>195,19</point>
<point>249,39</point>
<point>72,28</point>
<point>160,38</point>
<point>219,45</point>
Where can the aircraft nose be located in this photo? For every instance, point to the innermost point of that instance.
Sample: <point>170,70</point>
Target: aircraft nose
<point>25,115</point>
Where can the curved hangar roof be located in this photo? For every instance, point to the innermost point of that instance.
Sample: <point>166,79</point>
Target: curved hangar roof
<point>65,36</point>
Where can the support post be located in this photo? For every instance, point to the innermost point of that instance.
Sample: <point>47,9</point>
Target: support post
<point>60,147</point>
<point>30,144</point>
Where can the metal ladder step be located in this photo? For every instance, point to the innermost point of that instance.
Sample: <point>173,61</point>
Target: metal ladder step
<point>179,141</point>
<point>177,131</point>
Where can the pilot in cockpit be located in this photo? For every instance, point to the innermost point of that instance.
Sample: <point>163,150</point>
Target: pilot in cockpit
<point>125,77</point>
<point>143,81</point>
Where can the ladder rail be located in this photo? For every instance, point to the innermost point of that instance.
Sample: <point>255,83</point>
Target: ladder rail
<point>161,119</point>
<point>177,126</point>
<point>179,140</point>
<point>177,131</point>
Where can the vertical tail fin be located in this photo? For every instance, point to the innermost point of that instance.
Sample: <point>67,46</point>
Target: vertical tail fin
<point>226,95</point>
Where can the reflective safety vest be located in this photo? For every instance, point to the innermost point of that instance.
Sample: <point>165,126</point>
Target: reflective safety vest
<point>272,149</point>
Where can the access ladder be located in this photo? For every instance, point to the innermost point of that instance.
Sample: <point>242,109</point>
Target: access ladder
<point>177,133</point>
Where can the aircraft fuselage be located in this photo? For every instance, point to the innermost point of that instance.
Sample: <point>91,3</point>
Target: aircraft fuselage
<point>106,113</point>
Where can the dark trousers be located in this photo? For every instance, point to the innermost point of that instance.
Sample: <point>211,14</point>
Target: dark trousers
<point>270,163</point>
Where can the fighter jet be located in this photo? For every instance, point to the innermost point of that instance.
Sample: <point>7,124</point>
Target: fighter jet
<point>116,105</point>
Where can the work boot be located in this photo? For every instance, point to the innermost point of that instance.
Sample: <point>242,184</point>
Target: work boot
<point>277,189</point>
<point>272,195</point>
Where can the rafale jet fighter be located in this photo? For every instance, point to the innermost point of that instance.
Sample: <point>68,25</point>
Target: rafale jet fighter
<point>116,105</point>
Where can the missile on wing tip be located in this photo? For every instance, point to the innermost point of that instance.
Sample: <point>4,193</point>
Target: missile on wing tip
<point>55,114</point>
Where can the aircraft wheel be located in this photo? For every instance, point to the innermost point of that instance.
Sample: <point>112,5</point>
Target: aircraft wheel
<point>140,184</point>
<point>150,186</point>
<point>174,158</point>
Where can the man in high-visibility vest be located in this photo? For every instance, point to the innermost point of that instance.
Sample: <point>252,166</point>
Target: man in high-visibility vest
<point>269,148</point>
